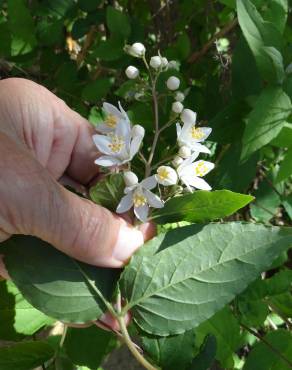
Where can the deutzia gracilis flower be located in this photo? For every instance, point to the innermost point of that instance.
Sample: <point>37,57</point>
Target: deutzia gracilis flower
<point>132,72</point>
<point>185,151</point>
<point>155,62</point>
<point>130,178</point>
<point>164,62</point>
<point>113,116</point>
<point>137,50</point>
<point>188,116</point>
<point>179,96</point>
<point>190,136</point>
<point>141,198</point>
<point>190,173</point>
<point>177,160</point>
<point>166,176</point>
<point>173,83</point>
<point>177,107</point>
<point>119,146</point>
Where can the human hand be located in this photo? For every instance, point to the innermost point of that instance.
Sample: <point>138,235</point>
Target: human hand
<point>41,139</point>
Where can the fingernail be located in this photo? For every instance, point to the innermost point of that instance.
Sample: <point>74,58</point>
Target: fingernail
<point>129,240</point>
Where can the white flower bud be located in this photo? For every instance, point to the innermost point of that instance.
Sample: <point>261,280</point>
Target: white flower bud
<point>188,116</point>
<point>173,83</point>
<point>130,178</point>
<point>177,107</point>
<point>132,72</point>
<point>177,161</point>
<point>185,151</point>
<point>138,130</point>
<point>164,62</point>
<point>138,49</point>
<point>155,62</point>
<point>173,64</point>
<point>179,96</point>
<point>166,176</point>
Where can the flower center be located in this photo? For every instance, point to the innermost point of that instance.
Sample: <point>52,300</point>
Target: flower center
<point>139,200</point>
<point>162,173</point>
<point>117,143</point>
<point>201,169</point>
<point>197,133</point>
<point>111,121</point>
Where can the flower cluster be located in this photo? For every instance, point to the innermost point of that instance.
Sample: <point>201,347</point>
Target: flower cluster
<point>119,141</point>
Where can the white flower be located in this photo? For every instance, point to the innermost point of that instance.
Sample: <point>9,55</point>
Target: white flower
<point>155,62</point>
<point>140,197</point>
<point>164,62</point>
<point>173,83</point>
<point>119,146</point>
<point>179,96</point>
<point>185,151</point>
<point>113,116</point>
<point>177,107</point>
<point>173,64</point>
<point>190,136</point>
<point>166,176</point>
<point>177,161</point>
<point>188,116</point>
<point>130,178</point>
<point>132,72</point>
<point>190,173</point>
<point>137,50</point>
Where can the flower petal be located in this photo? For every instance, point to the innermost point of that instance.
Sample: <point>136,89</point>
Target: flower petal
<point>149,183</point>
<point>135,145</point>
<point>111,109</point>
<point>206,131</point>
<point>199,183</point>
<point>199,148</point>
<point>102,143</point>
<point>123,129</point>
<point>123,112</point>
<point>153,199</point>
<point>203,167</point>
<point>125,204</point>
<point>142,212</point>
<point>104,129</point>
<point>178,129</point>
<point>107,161</point>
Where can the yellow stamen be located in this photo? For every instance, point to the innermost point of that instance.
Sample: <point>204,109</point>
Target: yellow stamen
<point>201,169</point>
<point>117,143</point>
<point>139,200</point>
<point>197,133</point>
<point>111,121</point>
<point>162,173</point>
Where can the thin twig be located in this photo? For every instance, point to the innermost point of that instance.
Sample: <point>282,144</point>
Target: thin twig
<point>198,54</point>
<point>87,43</point>
<point>275,350</point>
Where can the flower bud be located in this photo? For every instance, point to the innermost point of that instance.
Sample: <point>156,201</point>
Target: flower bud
<point>173,83</point>
<point>188,116</point>
<point>164,62</point>
<point>179,96</point>
<point>155,62</point>
<point>130,178</point>
<point>177,161</point>
<point>173,64</point>
<point>185,152</point>
<point>138,49</point>
<point>177,107</point>
<point>138,130</point>
<point>166,176</point>
<point>132,72</point>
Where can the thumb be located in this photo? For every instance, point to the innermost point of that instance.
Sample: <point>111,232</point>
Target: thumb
<point>33,203</point>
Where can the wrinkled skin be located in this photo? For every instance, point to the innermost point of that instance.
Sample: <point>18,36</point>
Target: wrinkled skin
<point>42,139</point>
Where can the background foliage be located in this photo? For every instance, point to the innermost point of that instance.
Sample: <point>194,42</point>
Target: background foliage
<point>235,66</point>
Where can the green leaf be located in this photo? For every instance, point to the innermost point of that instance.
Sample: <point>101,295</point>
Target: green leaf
<point>266,120</point>
<point>216,261</point>
<point>88,5</point>
<point>89,346</point>
<point>17,316</point>
<point>287,203</point>
<point>201,206</point>
<point>262,358</point>
<point>21,27</point>
<point>284,138</point>
<point>108,191</point>
<point>205,358</point>
<point>25,355</point>
<point>110,49</point>
<point>171,353</point>
<point>96,90</point>
<point>276,12</point>
<point>261,34</point>
<point>5,40</point>
<point>56,284</point>
<point>228,341</point>
<point>285,170</point>
<point>117,22</point>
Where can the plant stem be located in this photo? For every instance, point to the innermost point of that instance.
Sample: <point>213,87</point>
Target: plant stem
<point>275,350</point>
<point>127,339</point>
